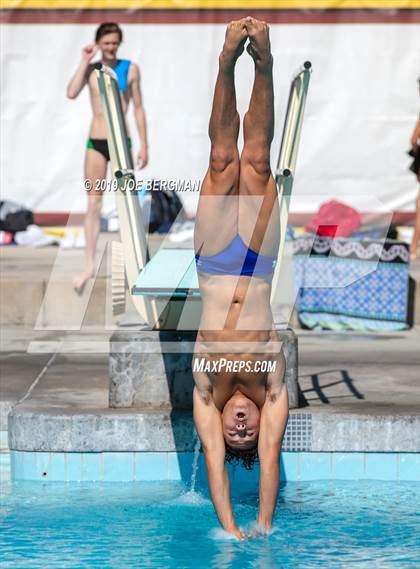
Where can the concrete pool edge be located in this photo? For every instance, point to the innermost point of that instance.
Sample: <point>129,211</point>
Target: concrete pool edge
<point>158,466</point>
<point>65,429</point>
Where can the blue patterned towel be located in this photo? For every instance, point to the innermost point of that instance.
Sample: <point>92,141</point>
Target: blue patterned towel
<point>350,284</point>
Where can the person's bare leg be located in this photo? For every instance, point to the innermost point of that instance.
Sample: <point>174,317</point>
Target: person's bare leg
<point>95,169</point>
<point>216,221</point>
<point>416,235</point>
<point>259,120</point>
<point>224,119</point>
<point>258,208</point>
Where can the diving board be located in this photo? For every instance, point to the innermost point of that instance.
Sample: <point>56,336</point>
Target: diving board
<point>169,273</point>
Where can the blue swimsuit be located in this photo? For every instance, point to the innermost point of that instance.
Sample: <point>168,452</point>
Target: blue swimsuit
<point>101,144</point>
<point>121,69</point>
<point>236,259</point>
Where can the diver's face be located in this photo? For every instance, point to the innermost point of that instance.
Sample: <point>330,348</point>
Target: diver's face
<point>241,422</point>
<point>109,44</point>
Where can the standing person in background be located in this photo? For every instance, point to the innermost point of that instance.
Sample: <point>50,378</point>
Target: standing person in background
<point>107,41</point>
<point>415,167</point>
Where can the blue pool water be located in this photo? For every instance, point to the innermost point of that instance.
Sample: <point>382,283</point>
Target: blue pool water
<point>331,524</point>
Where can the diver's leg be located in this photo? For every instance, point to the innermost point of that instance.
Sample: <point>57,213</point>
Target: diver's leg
<point>217,213</point>
<point>258,207</point>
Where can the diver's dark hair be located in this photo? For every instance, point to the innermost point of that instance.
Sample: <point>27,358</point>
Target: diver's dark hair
<point>108,28</point>
<point>246,457</point>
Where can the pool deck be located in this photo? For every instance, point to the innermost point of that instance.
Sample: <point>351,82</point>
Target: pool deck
<point>360,392</point>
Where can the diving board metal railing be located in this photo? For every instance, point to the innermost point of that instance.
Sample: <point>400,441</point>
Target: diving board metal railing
<point>130,255</point>
<point>286,163</point>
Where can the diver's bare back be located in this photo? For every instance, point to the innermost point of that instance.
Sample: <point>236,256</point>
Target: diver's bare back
<point>98,126</point>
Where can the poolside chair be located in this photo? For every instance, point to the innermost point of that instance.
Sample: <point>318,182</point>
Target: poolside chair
<point>164,288</point>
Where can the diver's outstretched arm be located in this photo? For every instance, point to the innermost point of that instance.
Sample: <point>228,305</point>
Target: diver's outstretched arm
<point>208,423</point>
<point>274,416</point>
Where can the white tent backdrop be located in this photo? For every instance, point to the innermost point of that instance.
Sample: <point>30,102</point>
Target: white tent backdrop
<point>362,107</point>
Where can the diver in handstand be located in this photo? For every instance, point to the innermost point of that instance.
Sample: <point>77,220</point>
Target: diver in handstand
<point>240,411</point>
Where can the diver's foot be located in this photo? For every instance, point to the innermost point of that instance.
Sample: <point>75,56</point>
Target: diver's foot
<point>236,36</point>
<point>259,42</point>
<point>79,281</point>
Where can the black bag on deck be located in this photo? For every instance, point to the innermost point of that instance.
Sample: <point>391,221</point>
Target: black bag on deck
<point>165,208</point>
<point>14,217</point>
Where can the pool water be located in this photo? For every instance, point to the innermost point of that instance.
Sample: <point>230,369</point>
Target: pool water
<point>328,524</point>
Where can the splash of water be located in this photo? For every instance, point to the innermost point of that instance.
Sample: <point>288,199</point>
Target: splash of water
<point>195,464</point>
<point>220,534</point>
<point>192,497</point>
